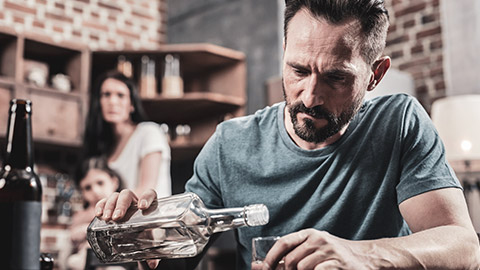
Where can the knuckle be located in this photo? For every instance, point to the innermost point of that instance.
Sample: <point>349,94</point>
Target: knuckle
<point>125,192</point>
<point>101,202</point>
<point>282,242</point>
<point>301,266</point>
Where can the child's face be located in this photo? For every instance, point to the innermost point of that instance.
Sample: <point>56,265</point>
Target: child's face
<point>97,185</point>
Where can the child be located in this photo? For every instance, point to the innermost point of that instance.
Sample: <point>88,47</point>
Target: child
<point>95,181</point>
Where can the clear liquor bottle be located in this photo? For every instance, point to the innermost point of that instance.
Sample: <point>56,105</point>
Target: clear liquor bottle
<point>173,227</point>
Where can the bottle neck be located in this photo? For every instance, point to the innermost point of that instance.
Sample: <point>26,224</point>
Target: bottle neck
<point>226,219</point>
<point>19,152</point>
<point>231,218</point>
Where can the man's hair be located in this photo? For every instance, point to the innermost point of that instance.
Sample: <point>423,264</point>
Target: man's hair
<point>372,15</point>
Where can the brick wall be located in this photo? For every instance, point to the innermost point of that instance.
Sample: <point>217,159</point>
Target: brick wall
<point>100,24</point>
<point>415,44</point>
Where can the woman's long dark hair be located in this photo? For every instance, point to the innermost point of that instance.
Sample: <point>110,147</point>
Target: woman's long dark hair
<point>98,139</point>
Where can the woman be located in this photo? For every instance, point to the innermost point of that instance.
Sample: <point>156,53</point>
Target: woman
<point>116,128</point>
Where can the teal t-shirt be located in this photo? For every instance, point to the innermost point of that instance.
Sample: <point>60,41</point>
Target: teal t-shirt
<point>352,188</point>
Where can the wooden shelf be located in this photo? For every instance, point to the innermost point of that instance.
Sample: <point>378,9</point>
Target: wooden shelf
<point>195,57</point>
<point>7,81</point>
<point>191,107</point>
<point>49,90</point>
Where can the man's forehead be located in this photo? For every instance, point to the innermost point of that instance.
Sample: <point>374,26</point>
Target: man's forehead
<point>317,34</point>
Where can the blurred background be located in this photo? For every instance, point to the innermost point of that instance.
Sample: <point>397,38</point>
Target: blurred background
<point>229,56</point>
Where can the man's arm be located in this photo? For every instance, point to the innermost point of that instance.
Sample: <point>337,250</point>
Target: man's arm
<point>443,238</point>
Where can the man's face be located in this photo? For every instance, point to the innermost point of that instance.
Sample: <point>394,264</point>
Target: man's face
<point>324,76</point>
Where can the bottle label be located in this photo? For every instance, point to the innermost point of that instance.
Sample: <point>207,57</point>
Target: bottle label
<point>20,234</point>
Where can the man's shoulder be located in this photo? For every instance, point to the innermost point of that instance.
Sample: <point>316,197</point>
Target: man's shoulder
<point>397,100</point>
<point>392,104</point>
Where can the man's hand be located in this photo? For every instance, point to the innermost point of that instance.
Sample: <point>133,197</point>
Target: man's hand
<point>313,249</point>
<point>115,206</point>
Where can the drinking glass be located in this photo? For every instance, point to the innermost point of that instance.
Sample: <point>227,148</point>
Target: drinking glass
<point>260,248</point>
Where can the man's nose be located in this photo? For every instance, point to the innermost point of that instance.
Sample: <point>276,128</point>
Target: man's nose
<point>312,94</point>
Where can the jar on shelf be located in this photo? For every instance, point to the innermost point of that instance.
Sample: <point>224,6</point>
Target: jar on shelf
<point>182,134</point>
<point>172,82</point>
<point>124,66</point>
<point>148,82</point>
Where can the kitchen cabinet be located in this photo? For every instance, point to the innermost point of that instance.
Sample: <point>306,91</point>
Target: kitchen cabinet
<point>28,65</point>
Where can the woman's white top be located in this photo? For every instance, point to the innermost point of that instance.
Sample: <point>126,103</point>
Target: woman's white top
<point>147,138</point>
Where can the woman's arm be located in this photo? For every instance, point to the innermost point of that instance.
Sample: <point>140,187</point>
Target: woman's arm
<point>148,172</point>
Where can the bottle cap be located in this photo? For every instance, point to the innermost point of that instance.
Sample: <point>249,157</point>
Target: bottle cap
<point>256,215</point>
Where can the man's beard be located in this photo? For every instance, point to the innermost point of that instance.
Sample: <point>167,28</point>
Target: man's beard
<point>307,130</point>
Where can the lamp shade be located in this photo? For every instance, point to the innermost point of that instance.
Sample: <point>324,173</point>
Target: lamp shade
<point>457,119</point>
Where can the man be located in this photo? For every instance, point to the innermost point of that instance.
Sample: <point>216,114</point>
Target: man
<point>350,184</point>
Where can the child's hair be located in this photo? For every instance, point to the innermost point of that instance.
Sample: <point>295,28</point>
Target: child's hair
<point>99,163</point>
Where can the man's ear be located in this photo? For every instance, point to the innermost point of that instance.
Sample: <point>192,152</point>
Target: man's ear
<point>379,68</point>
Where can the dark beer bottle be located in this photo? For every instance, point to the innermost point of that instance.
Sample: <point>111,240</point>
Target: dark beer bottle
<point>20,194</point>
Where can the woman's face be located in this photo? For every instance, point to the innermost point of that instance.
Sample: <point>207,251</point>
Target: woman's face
<point>115,101</point>
<point>97,185</point>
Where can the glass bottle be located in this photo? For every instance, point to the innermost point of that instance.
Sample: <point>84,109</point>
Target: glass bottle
<point>172,82</point>
<point>124,66</point>
<point>173,227</point>
<point>148,82</point>
<point>20,194</point>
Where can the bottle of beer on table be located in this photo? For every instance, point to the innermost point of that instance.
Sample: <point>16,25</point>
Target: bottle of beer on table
<point>20,194</point>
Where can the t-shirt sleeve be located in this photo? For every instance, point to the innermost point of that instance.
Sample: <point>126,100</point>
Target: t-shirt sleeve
<point>206,174</point>
<point>153,140</point>
<point>424,166</point>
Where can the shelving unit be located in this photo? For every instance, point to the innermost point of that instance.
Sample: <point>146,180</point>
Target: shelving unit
<point>57,116</point>
<point>214,80</point>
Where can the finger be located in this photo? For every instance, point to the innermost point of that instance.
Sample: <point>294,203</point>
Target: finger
<point>314,247</point>
<point>326,265</point>
<point>109,206</point>
<point>146,199</point>
<point>298,254</point>
<point>282,247</point>
<point>316,259</point>
<point>99,207</point>
<point>124,200</point>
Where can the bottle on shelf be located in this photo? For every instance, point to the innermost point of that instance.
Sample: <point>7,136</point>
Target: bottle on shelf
<point>148,82</point>
<point>124,66</point>
<point>173,227</point>
<point>172,82</point>
<point>20,194</point>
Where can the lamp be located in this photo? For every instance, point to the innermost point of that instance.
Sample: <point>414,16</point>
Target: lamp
<point>457,119</point>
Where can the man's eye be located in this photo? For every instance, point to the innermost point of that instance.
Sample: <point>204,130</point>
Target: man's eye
<point>336,78</point>
<point>300,72</point>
